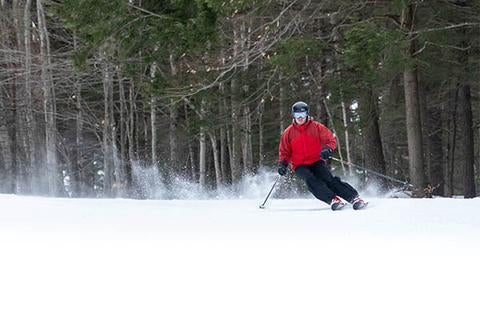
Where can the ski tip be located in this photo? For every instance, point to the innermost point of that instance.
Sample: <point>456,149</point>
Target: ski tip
<point>338,208</point>
<point>365,204</point>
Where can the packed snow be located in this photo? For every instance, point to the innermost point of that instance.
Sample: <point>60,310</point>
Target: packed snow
<point>227,259</point>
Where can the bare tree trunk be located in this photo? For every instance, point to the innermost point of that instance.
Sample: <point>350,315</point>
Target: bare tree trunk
<point>49,104</point>
<point>414,130</point>
<point>235,144</point>
<point>464,100</point>
<point>216,158</point>
<point>435,157</point>
<point>282,101</point>
<point>223,154</point>
<point>465,103</point>
<point>372,142</point>
<point>153,117</point>
<point>321,109</point>
<point>118,185</point>
<point>236,95</point>
<point>132,142</point>
<point>79,179</point>
<point>203,149</point>
<point>339,146</point>
<point>108,165</point>
<point>261,147</point>
<point>450,136</point>
<point>28,123</point>
<point>7,115</point>
<point>228,136</point>
<point>18,134</point>
<point>223,133</point>
<point>247,148</point>
<point>124,127</point>
<point>172,131</point>
<point>412,108</point>
<point>191,154</point>
<point>247,141</point>
<point>347,138</point>
<point>130,127</point>
<point>6,159</point>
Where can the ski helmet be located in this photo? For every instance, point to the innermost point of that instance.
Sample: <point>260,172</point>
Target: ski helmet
<point>300,107</point>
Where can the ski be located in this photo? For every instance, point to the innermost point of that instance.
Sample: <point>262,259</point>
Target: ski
<point>360,206</point>
<point>338,206</point>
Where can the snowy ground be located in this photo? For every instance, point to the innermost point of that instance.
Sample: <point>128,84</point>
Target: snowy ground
<point>227,259</point>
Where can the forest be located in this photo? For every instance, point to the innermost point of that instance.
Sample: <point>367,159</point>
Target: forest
<point>100,97</point>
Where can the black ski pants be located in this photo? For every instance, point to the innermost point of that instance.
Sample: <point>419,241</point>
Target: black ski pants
<point>323,185</point>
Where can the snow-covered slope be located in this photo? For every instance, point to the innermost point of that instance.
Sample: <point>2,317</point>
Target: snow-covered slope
<point>228,259</point>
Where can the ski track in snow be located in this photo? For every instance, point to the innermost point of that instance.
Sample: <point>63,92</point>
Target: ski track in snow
<point>228,259</point>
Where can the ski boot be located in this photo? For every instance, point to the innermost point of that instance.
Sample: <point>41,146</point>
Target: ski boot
<point>337,203</point>
<point>358,203</point>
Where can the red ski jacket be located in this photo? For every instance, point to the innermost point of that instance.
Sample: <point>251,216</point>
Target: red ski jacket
<point>301,144</point>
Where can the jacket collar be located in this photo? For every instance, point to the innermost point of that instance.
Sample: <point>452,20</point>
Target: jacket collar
<point>303,125</point>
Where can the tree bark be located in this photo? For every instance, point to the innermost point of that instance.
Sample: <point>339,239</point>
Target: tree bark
<point>247,149</point>
<point>108,165</point>
<point>235,143</point>
<point>223,140</point>
<point>261,147</point>
<point>172,130</point>
<point>412,108</point>
<point>282,105</point>
<point>132,142</point>
<point>153,117</point>
<point>26,118</point>
<point>78,176</point>
<point>6,159</point>
<point>236,98</point>
<point>216,158</point>
<point>130,128</point>
<point>334,131</point>
<point>118,184</point>
<point>465,104</point>
<point>464,101</point>
<point>203,149</point>
<point>7,115</point>
<point>321,109</point>
<point>347,138</point>
<point>49,104</point>
<point>191,153</point>
<point>434,152</point>
<point>223,154</point>
<point>372,142</point>
<point>450,137</point>
<point>124,128</point>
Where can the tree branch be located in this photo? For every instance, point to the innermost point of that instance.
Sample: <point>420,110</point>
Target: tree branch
<point>460,25</point>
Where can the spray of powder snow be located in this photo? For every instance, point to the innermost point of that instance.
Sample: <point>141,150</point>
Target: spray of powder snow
<point>372,189</point>
<point>151,183</point>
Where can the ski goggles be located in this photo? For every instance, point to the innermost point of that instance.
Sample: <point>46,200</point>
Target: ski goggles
<point>298,115</point>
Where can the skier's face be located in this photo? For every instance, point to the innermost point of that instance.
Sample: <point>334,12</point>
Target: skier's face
<point>300,118</point>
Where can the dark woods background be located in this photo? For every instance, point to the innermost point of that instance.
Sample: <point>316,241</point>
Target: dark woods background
<point>99,98</point>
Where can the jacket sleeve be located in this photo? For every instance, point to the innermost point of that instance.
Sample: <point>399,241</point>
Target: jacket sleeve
<point>327,139</point>
<point>284,148</point>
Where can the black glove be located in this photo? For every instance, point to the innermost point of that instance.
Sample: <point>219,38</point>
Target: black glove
<point>282,168</point>
<point>326,153</point>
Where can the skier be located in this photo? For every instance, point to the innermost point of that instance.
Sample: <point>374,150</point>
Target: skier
<point>307,145</point>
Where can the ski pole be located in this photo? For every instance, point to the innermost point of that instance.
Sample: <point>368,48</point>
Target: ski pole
<point>374,172</point>
<point>262,206</point>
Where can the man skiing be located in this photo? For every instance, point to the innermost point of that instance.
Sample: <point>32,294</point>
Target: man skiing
<point>307,145</point>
